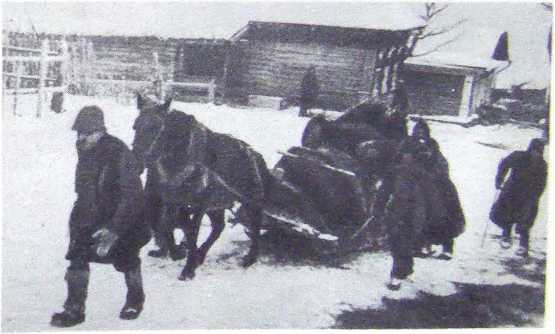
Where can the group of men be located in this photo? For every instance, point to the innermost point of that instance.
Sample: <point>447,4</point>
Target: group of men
<point>107,223</point>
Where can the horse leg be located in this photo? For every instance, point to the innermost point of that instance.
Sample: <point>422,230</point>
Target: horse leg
<point>256,221</point>
<point>178,252</point>
<point>218,224</point>
<point>154,215</point>
<point>191,231</point>
<point>164,232</point>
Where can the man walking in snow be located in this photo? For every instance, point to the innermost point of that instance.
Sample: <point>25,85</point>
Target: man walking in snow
<point>310,88</point>
<point>106,224</point>
<point>518,201</point>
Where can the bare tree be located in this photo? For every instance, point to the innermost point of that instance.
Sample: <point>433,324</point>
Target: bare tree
<point>432,11</point>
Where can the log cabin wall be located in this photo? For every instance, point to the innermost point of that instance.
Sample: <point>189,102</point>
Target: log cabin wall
<point>271,59</point>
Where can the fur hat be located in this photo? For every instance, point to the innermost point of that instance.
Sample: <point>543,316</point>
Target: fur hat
<point>89,119</point>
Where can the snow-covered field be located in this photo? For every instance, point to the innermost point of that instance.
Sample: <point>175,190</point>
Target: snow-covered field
<point>37,191</point>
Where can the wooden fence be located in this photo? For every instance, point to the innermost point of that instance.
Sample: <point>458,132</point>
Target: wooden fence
<point>42,64</point>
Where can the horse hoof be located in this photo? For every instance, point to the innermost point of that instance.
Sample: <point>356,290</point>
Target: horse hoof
<point>178,255</point>
<point>186,276</point>
<point>157,253</point>
<point>249,261</point>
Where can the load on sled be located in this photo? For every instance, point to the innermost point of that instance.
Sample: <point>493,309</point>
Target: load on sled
<point>324,190</point>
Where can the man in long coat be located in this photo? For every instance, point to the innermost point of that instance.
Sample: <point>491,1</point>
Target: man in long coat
<point>518,201</point>
<point>107,223</point>
<point>444,207</point>
<point>310,88</point>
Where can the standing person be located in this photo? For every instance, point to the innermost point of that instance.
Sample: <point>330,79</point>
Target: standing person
<point>520,194</point>
<point>310,88</point>
<point>57,102</point>
<point>443,200</point>
<point>106,224</point>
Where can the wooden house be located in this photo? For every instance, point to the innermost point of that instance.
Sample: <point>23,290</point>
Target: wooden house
<point>449,84</point>
<point>271,58</point>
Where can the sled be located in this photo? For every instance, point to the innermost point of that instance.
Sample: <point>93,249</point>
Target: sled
<point>321,195</point>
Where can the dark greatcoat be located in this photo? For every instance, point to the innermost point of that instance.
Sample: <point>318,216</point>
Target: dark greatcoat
<point>109,195</point>
<point>518,201</point>
<point>443,204</point>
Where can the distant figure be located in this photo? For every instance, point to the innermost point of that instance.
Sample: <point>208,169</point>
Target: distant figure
<point>57,102</point>
<point>518,201</point>
<point>106,223</point>
<point>310,88</point>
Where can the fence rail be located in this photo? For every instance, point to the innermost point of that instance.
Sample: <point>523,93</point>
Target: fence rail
<point>14,73</point>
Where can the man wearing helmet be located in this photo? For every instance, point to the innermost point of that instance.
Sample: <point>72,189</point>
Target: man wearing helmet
<point>106,223</point>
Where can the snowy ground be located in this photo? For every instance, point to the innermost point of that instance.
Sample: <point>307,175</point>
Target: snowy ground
<point>38,170</point>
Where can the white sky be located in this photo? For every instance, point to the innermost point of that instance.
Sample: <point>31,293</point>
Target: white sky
<point>527,23</point>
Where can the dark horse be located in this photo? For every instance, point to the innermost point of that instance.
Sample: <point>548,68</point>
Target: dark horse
<point>203,172</point>
<point>147,127</point>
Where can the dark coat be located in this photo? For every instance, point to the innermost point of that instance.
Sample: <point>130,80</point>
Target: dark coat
<point>109,195</point>
<point>518,201</point>
<point>443,203</point>
<point>310,88</point>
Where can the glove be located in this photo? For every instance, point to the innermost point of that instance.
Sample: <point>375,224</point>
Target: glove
<point>105,240</point>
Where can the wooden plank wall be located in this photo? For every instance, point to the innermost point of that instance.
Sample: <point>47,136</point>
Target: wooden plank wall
<point>433,93</point>
<point>132,58</point>
<point>276,69</point>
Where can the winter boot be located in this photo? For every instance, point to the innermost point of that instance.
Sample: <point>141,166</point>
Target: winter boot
<point>446,251</point>
<point>522,251</point>
<point>394,284</point>
<point>74,306</point>
<point>135,295</point>
<point>506,240</point>
<point>524,244</point>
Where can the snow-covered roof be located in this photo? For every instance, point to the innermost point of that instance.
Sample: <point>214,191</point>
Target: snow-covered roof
<point>386,18</point>
<point>456,60</point>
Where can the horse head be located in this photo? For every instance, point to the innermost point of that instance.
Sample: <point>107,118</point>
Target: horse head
<point>148,126</point>
<point>173,140</point>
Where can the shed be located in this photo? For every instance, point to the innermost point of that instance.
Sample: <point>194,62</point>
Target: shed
<point>271,58</point>
<point>449,83</point>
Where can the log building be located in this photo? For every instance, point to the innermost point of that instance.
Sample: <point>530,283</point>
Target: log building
<point>271,58</point>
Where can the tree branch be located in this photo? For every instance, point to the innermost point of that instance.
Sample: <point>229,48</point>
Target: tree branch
<point>442,30</point>
<point>436,11</point>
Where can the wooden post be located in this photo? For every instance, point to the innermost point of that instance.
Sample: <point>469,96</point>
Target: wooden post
<point>18,70</point>
<point>64,67</point>
<point>466,100</point>
<point>90,59</point>
<point>212,91</point>
<point>159,88</point>
<point>43,68</point>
